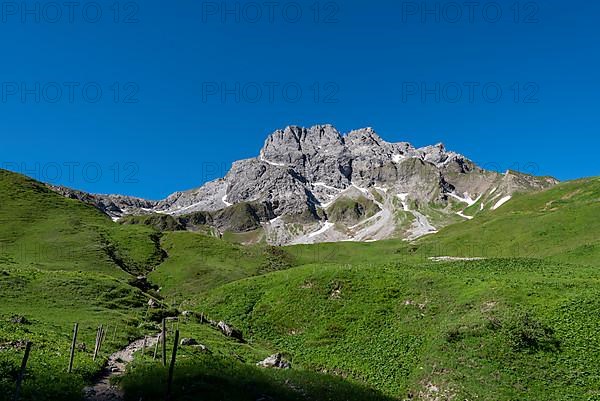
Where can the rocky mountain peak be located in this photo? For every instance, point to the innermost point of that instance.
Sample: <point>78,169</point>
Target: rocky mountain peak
<point>366,136</point>
<point>315,184</point>
<point>294,145</point>
<point>301,135</point>
<point>300,147</point>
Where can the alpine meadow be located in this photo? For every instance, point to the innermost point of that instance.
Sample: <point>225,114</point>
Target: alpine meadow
<point>500,303</point>
<point>299,200</point>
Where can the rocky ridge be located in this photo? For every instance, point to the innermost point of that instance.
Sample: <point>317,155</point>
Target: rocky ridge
<point>302,175</point>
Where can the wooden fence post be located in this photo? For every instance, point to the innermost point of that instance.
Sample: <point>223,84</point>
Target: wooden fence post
<point>102,338</point>
<point>172,366</point>
<point>75,330</point>
<point>97,345</point>
<point>22,371</point>
<point>164,342</point>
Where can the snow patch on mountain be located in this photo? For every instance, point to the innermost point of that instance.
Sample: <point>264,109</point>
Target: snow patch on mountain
<point>501,202</point>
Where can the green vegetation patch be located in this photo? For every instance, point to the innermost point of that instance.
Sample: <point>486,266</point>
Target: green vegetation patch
<point>351,211</point>
<point>496,330</point>
<point>42,307</point>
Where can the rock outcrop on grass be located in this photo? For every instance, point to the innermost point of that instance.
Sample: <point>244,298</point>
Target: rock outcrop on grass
<point>275,361</point>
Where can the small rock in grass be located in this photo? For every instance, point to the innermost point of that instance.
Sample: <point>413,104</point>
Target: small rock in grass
<point>18,319</point>
<point>201,347</point>
<point>230,331</point>
<point>188,342</point>
<point>275,361</point>
<point>88,392</point>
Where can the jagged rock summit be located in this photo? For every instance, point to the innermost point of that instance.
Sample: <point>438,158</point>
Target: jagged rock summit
<point>316,184</point>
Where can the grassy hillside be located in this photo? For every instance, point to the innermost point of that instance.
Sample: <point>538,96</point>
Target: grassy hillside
<point>39,228</point>
<point>358,321</point>
<point>42,306</point>
<point>62,262</point>
<point>227,371</point>
<point>492,330</point>
<point>561,223</point>
<point>196,263</point>
<point>351,211</point>
<point>381,315</point>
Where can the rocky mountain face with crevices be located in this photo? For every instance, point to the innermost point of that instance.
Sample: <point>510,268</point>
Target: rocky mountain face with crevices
<point>303,178</point>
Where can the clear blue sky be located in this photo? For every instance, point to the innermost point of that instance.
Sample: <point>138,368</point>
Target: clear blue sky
<point>176,122</point>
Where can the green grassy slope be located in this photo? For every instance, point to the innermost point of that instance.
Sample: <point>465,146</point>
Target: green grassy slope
<point>351,252</point>
<point>227,371</point>
<point>62,262</point>
<point>494,330</point>
<point>198,262</point>
<point>51,302</point>
<point>351,211</point>
<point>382,315</point>
<point>215,378</point>
<point>562,223</point>
<point>42,229</point>
<point>359,321</point>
